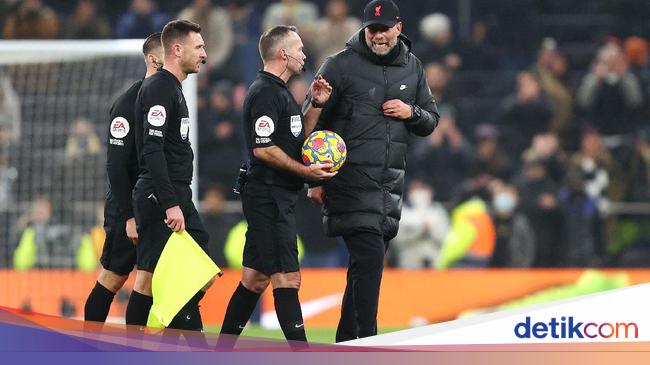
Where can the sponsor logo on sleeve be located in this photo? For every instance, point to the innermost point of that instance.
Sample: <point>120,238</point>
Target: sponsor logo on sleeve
<point>262,140</point>
<point>264,126</point>
<point>119,127</point>
<point>155,133</point>
<point>296,125</point>
<point>185,128</point>
<point>157,115</point>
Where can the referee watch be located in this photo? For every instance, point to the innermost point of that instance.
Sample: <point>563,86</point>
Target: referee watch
<point>315,104</point>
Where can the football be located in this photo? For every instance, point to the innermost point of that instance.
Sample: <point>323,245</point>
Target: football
<point>324,147</point>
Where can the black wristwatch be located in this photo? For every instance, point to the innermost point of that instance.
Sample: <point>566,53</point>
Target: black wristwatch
<point>416,112</point>
<point>316,105</point>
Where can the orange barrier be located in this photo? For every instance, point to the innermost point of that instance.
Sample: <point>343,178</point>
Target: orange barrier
<point>406,296</point>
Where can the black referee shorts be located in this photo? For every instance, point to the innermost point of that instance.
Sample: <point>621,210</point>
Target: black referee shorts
<point>153,233</point>
<point>271,245</point>
<point>118,254</point>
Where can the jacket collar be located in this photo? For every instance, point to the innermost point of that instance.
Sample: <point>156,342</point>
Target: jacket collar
<point>358,44</point>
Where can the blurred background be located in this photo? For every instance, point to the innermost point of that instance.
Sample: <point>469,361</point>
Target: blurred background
<point>539,168</point>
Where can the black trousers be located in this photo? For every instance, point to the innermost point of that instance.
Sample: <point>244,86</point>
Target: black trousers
<point>361,298</point>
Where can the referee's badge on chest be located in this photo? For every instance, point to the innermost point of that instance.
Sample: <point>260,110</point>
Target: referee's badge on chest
<point>296,125</point>
<point>185,128</point>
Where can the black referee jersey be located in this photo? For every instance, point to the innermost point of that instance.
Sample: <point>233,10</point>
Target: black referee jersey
<point>163,140</point>
<point>272,117</point>
<point>121,158</point>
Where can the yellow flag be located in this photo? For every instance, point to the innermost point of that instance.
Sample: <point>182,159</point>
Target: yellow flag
<point>182,270</point>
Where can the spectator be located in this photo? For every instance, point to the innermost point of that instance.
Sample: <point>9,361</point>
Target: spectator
<point>525,114</point>
<point>334,29</point>
<point>551,72</point>
<point>10,117</point>
<point>438,79</point>
<point>471,237</point>
<point>32,20</point>
<point>220,139</point>
<point>515,244</point>
<point>218,31</point>
<point>445,150</point>
<point>218,223</point>
<point>582,235</point>
<point>86,23</point>
<point>601,172</point>
<point>423,228</point>
<point>42,244</point>
<point>5,9</point>
<point>491,160</point>
<point>142,20</point>
<point>440,82</point>
<point>82,141</point>
<point>437,45</point>
<point>546,149</point>
<point>8,176</point>
<point>539,203</point>
<point>300,13</point>
<point>83,162</point>
<point>610,94</point>
<point>476,53</point>
<point>638,170</point>
<point>244,62</point>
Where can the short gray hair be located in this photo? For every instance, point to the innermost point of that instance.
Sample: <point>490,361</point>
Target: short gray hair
<point>270,40</point>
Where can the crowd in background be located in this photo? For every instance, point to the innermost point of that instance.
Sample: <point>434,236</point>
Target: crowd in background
<point>543,133</point>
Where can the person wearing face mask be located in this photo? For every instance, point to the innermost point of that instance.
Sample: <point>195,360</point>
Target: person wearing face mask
<point>380,99</point>
<point>515,237</point>
<point>423,227</point>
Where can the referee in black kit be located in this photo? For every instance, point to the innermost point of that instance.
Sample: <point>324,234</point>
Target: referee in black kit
<point>162,196</point>
<point>273,127</point>
<point>118,255</point>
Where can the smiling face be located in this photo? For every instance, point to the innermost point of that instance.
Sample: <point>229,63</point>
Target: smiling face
<point>382,39</point>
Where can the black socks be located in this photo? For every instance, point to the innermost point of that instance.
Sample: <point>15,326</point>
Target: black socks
<point>137,311</point>
<point>98,303</point>
<point>287,308</point>
<point>189,317</point>
<point>241,306</point>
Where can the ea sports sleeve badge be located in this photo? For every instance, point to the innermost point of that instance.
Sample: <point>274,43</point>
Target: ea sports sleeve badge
<point>157,116</point>
<point>182,270</point>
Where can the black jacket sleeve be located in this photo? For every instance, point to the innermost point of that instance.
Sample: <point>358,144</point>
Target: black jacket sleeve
<point>159,105</point>
<point>120,156</point>
<point>428,119</point>
<point>329,71</point>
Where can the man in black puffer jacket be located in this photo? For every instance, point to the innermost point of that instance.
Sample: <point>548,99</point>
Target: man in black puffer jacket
<point>379,99</point>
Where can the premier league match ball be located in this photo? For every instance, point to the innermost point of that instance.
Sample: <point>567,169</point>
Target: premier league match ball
<point>324,147</point>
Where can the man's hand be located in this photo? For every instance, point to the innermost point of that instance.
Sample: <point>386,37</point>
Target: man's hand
<point>317,195</point>
<point>320,90</point>
<point>175,220</point>
<point>131,230</point>
<point>396,108</point>
<point>318,172</point>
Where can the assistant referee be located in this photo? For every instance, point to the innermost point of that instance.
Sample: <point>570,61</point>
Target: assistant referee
<point>162,196</point>
<point>118,254</point>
